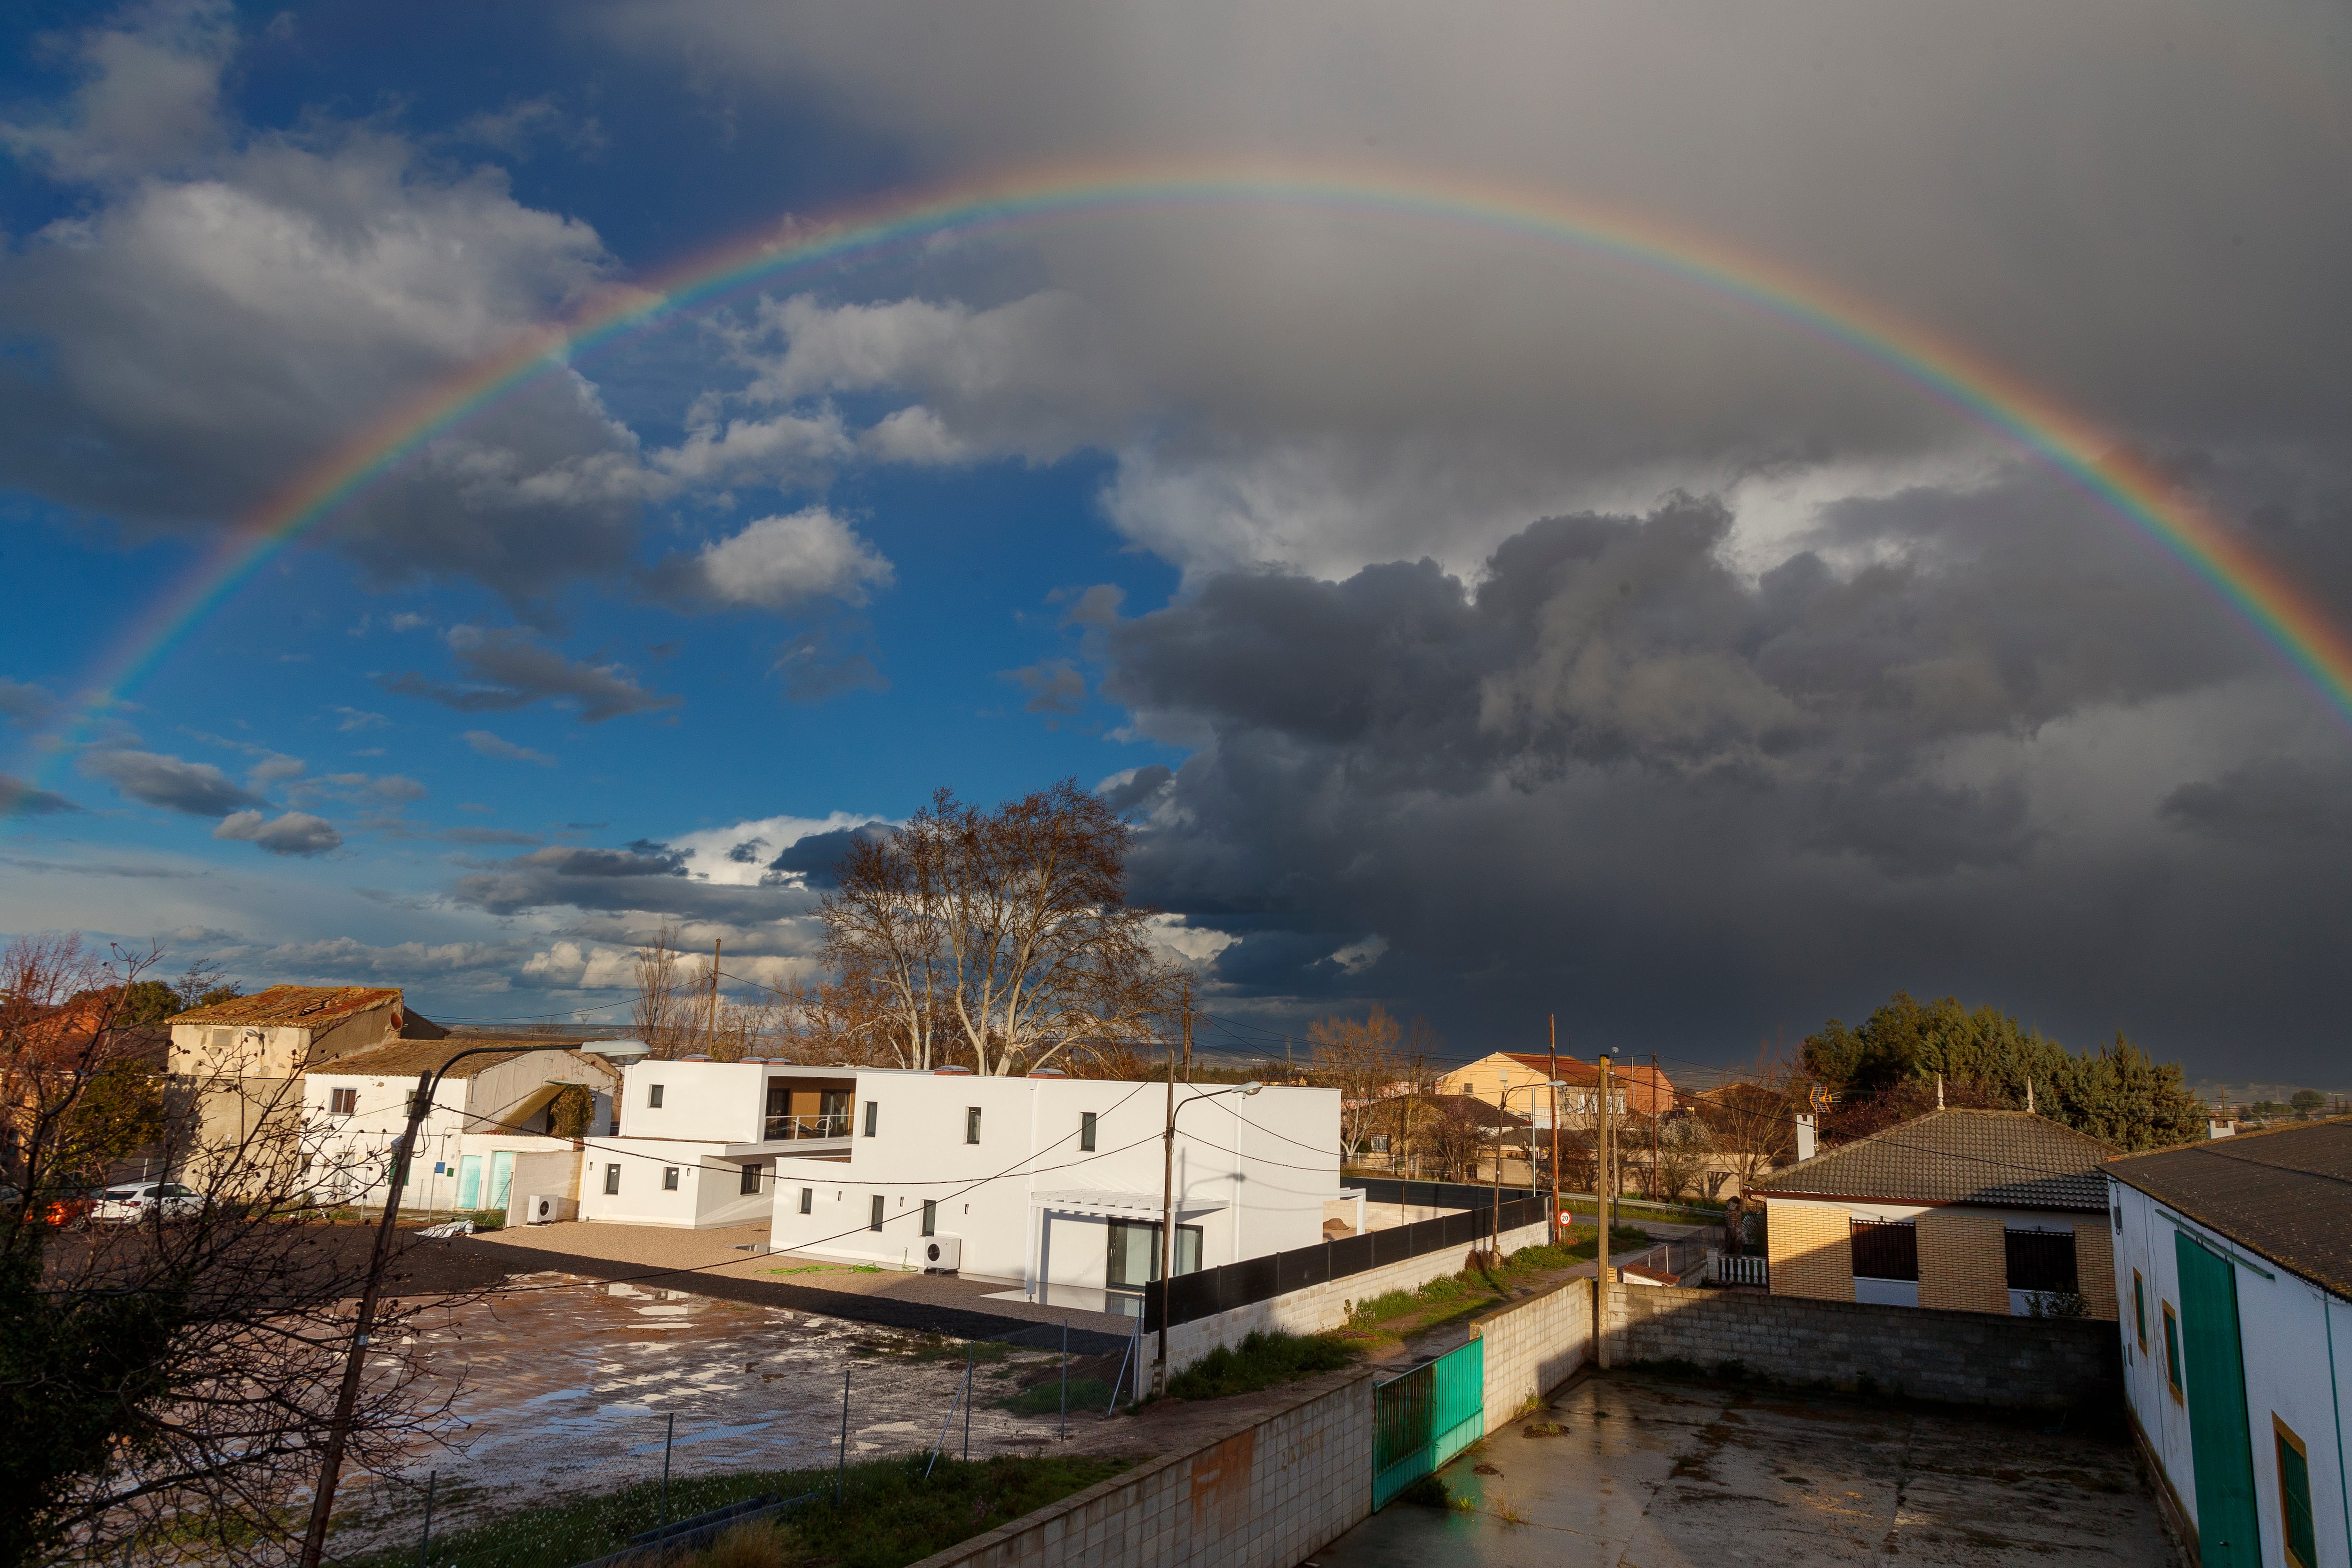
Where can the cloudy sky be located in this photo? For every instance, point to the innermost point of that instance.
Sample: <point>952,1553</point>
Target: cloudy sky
<point>1484,625</point>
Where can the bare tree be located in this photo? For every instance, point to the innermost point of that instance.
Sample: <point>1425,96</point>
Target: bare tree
<point>1364,1060</point>
<point>1002,938</point>
<point>182,1376</point>
<point>1685,1143</point>
<point>1752,1120</point>
<point>665,994</point>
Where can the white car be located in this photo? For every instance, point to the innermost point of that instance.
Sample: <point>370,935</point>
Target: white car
<point>123,1205</point>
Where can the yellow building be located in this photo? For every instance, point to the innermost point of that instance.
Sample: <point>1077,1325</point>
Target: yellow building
<point>1642,1088</point>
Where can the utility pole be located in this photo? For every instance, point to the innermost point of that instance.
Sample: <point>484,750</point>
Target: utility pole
<point>712,1036</point>
<point>1167,1199</point>
<point>1188,1028</point>
<point>1600,1280</point>
<point>1502,1128</point>
<point>1655,1196</point>
<point>1555,1129</point>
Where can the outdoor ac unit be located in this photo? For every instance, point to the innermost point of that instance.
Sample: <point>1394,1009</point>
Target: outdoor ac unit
<point>942,1254</point>
<point>547,1210</point>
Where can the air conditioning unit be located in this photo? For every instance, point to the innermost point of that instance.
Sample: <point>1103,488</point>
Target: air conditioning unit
<point>942,1254</point>
<point>547,1210</point>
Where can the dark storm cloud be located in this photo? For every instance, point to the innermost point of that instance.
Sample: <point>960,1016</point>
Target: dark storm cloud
<point>2280,803</point>
<point>642,875</point>
<point>198,789</point>
<point>509,669</point>
<point>814,857</point>
<point>1140,788</point>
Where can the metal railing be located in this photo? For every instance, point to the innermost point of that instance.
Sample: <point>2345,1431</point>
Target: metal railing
<point>786,1128</point>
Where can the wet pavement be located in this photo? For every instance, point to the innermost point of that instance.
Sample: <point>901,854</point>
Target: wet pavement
<point>1642,1473</point>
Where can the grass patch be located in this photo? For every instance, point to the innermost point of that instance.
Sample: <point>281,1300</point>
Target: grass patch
<point>828,1269</point>
<point>1045,1398</point>
<point>1261,1360</point>
<point>935,1347</point>
<point>890,1515</point>
<point>1450,1296</point>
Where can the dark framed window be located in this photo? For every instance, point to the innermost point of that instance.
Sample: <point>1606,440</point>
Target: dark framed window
<point>2172,1353</point>
<point>670,1178</point>
<point>972,1123</point>
<point>750,1181</point>
<point>1087,1132</point>
<point>2295,1496</point>
<point>808,1199</point>
<point>876,1222</point>
<point>1135,1252</point>
<point>611,1178</point>
<point>930,1217</point>
<point>1886,1249</point>
<point>873,1116</point>
<point>2042,1260</point>
<point>653,1097</point>
<point>342,1102</point>
<point>2139,1311</point>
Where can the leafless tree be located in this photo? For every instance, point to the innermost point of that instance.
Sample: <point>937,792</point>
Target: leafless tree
<point>1752,1120</point>
<point>1003,938</point>
<point>660,1016</point>
<point>185,1369</point>
<point>1365,1061</point>
<point>1685,1143</point>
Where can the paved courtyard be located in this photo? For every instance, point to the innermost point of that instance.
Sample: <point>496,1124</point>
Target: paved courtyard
<point>1643,1473</point>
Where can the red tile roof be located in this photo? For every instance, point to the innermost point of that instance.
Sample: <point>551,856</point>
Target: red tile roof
<point>301,1007</point>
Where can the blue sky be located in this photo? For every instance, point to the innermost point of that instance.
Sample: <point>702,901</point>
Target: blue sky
<point>1499,635</point>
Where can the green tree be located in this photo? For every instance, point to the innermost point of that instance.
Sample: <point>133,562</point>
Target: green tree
<point>2306,1100</point>
<point>2117,1093</point>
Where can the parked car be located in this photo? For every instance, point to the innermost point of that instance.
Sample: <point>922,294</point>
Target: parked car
<point>122,1205</point>
<point>63,1212</point>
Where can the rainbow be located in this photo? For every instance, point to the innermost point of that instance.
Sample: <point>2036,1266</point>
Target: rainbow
<point>2071,442</point>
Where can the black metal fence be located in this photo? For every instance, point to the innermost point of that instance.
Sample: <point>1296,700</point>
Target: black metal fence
<point>1207,1291</point>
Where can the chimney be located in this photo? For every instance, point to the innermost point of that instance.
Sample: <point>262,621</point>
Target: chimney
<point>1805,1145</point>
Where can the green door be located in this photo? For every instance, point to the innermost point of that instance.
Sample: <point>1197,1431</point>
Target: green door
<point>501,1178</point>
<point>469,1182</point>
<point>2227,1535</point>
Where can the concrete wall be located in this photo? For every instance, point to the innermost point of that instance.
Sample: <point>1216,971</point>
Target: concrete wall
<point>469,1115</point>
<point>1269,1496</point>
<point>1324,1306</point>
<point>1533,1346</point>
<point>1962,1358</point>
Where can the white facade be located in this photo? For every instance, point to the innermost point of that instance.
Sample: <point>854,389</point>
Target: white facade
<point>1005,1167</point>
<point>2295,1342</point>
<point>484,1143</point>
<point>693,1139</point>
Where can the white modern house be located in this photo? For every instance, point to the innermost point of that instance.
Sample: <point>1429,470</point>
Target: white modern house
<point>2233,1268</point>
<point>691,1141</point>
<point>489,1139</point>
<point>1052,1186</point>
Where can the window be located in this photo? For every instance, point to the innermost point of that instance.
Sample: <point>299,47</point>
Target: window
<point>750,1181</point>
<point>1886,1249</point>
<point>930,1217</point>
<point>2295,1496</point>
<point>876,1222</point>
<point>611,1178</point>
<point>1087,1132</point>
<point>2139,1311</point>
<point>653,1097</point>
<point>972,1123</point>
<point>342,1102</point>
<point>808,1199</point>
<point>670,1178</point>
<point>1135,1252</point>
<point>2173,1352</point>
<point>873,1115</point>
<point>2042,1260</point>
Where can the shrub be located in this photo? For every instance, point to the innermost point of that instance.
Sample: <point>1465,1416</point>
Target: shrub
<point>1261,1360</point>
<point>488,1219</point>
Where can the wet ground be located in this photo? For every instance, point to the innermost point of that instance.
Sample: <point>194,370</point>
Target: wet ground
<point>1641,1473</point>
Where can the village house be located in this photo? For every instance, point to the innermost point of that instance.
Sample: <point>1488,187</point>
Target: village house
<point>1509,1078</point>
<point>493,1136</point>
<point>691,1141</point>
<point>1980,1211</point>
<point>2234,1264</point>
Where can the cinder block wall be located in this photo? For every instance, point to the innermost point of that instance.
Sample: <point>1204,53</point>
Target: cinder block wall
<point>1321,1307</point>
<point>1963,1358</point>
<point>1269,1496</point>
<point>1810,1247</point>
<point>1533,1346</point>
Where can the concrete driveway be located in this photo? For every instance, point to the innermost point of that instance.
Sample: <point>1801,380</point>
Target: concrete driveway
<point>1645,1473</point>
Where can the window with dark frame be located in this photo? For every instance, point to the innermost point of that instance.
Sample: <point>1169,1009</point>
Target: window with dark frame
<point>611,1179</point>
<point>2172,1354</point>
<point>2042,1261</point>
<point>808,1199</point>
<point>653,1097</point>
<point>342,1102</point>
<point>1886,1249</point>
<point>876,1222</point>
<point>873,1115</point>
<point>2295,1496</point>
<point>1087,1132</point>
<point>930,1217</point>
<point>972,1123</point>
<point>2139,1311</point>
<point>750,1181</point>
<point>670,1178</point>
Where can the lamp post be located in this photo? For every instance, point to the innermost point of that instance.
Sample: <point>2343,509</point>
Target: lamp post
<point>420,1105</point>
<point>1168,1207</point>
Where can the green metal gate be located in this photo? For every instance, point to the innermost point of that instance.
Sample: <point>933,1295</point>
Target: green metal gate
<point>1427,1416</point>
<point>2227,1534</point>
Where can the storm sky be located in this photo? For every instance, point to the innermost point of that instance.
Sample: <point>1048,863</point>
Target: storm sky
<point>1487,626</point>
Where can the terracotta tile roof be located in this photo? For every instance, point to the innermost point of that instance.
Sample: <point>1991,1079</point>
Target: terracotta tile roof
<point>303,1007</point>
<point>2279,1194</point>
<point>406,1059</point>
<point>2005,1159</point>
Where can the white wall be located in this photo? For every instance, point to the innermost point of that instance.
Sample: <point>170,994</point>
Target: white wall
<point>465,1118</point>
<point>1266,1164</point>
<point>709,1192</point>
<point>2296,1340</point>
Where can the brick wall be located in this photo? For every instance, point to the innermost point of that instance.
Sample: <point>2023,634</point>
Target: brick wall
<point>1963,1261</point>
<point>1533,1346</point>
<point>1811,1249</point>
<point>2094,1267</point>
<point>1269,1495</point>
<point>1318,1307</point>
<point>1962,1358</point>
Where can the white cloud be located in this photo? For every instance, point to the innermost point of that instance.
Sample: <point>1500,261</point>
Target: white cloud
<point>779,562</point>
<point>505,750</point>
<point>594,967</point>
<point>295,833</point>
<point>1359,956</point>
<point>739,852</point>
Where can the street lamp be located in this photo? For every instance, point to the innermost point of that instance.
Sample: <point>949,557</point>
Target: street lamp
<point>1503,1104</point>
<point>420,1105</point>
<point>1168,1207</point>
